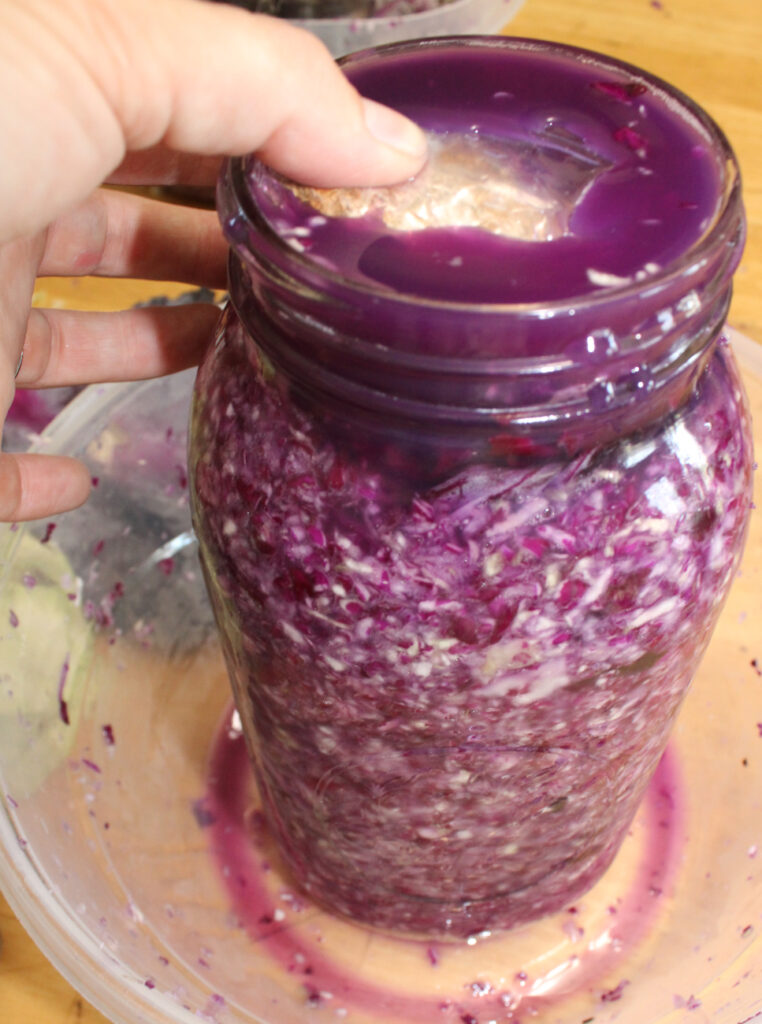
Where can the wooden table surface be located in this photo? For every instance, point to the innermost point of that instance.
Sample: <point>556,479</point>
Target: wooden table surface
<point>713,52</point>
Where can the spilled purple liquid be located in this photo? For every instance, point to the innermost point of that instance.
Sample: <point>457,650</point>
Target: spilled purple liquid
<point>267,905</point>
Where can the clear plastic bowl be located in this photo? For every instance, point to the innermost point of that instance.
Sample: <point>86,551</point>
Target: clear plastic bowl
<point>106,838</point>
<point>460,17</point>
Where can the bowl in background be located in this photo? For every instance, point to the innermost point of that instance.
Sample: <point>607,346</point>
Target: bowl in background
<point>343,30</point>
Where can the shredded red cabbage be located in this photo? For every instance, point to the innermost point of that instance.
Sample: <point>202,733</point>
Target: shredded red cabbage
<point>455,697</point>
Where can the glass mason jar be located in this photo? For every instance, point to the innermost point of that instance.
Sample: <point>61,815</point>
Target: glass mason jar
<point>467,528</point>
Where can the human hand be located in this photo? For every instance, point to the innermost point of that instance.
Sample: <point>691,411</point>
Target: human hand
<point>147,92</point>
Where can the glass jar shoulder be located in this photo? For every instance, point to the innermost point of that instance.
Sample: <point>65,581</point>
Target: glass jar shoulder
<point>604,554</point>
<point>683,474</point>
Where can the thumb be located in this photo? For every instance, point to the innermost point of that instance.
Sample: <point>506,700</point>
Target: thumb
<point>273,88</point>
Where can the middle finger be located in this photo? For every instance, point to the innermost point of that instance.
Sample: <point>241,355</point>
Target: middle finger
<point>119,234</point>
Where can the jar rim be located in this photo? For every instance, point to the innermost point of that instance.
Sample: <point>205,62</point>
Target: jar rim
<point>724,224</point>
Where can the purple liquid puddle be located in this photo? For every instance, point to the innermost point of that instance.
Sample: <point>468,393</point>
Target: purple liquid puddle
<point>289,929</point>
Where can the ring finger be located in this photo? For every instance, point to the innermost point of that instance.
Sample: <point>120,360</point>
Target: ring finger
<point>119,234</point>
<point>64,347</point>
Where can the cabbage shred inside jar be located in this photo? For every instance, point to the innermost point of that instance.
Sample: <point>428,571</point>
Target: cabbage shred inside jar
<point>465,553</point>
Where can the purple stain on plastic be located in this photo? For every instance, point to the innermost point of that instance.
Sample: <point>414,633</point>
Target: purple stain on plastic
<point>48,533</point>
<point>13,618</point>
<point>166,565</point>
<point>215,1004</point>
<point>107,731</point>
<point>480,989</point>
<point>203,815</point>
<point>314,997</point>
<point>613,995</point>
<point>91,765</point>
<point>63,709</point>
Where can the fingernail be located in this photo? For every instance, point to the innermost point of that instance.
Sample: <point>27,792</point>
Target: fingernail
<point>394,129</point>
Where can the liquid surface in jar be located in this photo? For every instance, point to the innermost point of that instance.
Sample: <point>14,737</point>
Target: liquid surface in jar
<point>573,178</point>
